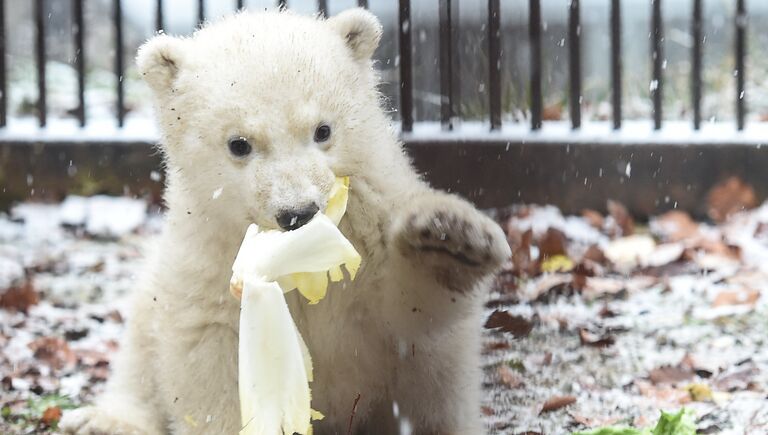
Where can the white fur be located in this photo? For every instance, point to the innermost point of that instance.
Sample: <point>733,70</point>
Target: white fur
<point>406,331</point>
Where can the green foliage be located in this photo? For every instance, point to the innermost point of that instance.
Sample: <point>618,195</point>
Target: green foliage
<point>680,423</point>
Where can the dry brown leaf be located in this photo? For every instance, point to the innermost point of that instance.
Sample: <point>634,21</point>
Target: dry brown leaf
<point>675,226</point>
<point>591,422</point>
<point>595,255</point>
<point>51,416</point>
<point>736,297</point>
<point>519,326</point>
<point>590,339</point>
<point>593,218</point>
<point>54,352</point>
<point>595,287</point>
<point>19,298</point>
<point>556,402</point>
<point>509,377</point>
<point>552,243</point>
<point>521,252</point>
<point>496,345</point>
<point>665,394</point>
<point>718,247</point>
<point>620,215</point>
<point>670,375</point>
<point>553,112</point>
<point>487,411</point>
<point>728,197</point>
<point>738,380</point>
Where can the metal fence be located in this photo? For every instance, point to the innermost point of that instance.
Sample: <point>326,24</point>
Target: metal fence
<point>448,58</point>
<point>496,165</point>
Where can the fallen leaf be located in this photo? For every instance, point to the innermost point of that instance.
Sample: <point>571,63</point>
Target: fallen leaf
<point>51,416</point>
<point>590,339</point>
<point>19,298</point>
<point>621,217</point>
<point>670,375</point>
<point>674,226</point>
<point>520,243</point>
<point>595,287</point>
<point>738,380</point>
<point>496,345</point>
<point>519,326</point>
<point>594,254</point>
<point>553,112</point>
<point>718,247</point>
<point>736,297</point>
<point>663,254</point>
<point>593,421</point>
<point>487,411</point>
<point>699,392</point>
<point>54,352</point>
<point>556,402</point>
<point>664,394</point>
<point>552,243</point>
<point>728,197</point>
<point>627,253</point>
<point>509,378</point>
<point>549,286</point>
<point>593,218</point>
<point>557,263</point>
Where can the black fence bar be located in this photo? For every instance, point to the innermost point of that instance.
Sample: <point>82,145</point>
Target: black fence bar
<point>574,62</point>
<point>79,30</point>
<point>494,63</point>
<point>362,4</point>
<point>200,12</point>
<point>40,53</point>
<point>534,31</point>
<point>658,58</point>
<point>446,65</point>
<point>240,5</point>
<point>616,62</point>
<point>406,66</point>
<point>3,79</point>
<point>159,20</point>
<point>741,73</point>
<point>119,67</point>
<point>697,27</point>
<point>322,8</point>
<point>282,4</point>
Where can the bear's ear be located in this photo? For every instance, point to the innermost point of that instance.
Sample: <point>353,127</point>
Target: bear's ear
<point>159,61</point>
<point>360,29</point>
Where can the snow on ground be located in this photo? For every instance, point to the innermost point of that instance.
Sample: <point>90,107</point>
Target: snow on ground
<point>573,340</point>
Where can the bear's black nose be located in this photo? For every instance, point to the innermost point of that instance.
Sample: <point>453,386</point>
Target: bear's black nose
<point>297,217</point>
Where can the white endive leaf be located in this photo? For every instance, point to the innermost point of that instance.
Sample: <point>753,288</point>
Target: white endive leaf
<point>275,367</point>
<point>274,388</point>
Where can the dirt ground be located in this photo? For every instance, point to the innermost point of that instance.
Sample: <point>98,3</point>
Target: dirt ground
<point>596,320</point>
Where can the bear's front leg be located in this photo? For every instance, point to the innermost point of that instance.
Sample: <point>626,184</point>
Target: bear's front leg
<point>448,239</point>
<point>443,253</point>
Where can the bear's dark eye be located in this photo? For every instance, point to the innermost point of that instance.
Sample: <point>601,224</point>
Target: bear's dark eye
<point>322,133</point>
<point>239,146</point>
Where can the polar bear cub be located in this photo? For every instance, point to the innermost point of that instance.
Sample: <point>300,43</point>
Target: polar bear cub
<point>259,113</point>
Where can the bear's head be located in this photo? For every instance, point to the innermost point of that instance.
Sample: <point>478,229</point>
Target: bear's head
<point>260,111</point>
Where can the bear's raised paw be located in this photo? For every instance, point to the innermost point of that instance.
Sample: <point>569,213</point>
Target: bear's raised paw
<point>451,231</point>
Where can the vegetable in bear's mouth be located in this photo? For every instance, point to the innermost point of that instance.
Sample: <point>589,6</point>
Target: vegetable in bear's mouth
<point>275,367</point>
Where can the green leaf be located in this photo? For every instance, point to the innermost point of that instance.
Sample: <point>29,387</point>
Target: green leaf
<point>614,430</point>
<point>680,423</point>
